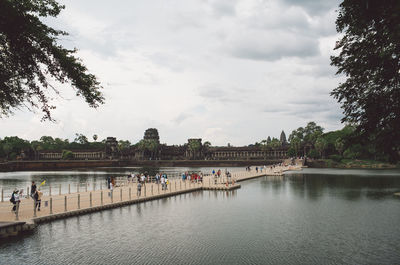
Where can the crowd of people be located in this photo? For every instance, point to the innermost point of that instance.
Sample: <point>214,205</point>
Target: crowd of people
<point>193,177</point>
<point>140,179</point>
<point>35,194</point>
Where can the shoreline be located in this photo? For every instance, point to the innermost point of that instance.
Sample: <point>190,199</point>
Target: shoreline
<point>352,164</point>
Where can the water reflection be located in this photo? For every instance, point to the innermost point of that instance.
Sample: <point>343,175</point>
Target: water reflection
<point>347,186</point>
<point>302,218</point>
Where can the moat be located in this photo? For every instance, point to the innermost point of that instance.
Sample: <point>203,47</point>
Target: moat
<point>315,216</point>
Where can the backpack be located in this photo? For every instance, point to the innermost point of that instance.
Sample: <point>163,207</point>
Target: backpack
<point>12,199</point>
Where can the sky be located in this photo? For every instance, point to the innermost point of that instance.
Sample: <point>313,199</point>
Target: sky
<point>226,71</point>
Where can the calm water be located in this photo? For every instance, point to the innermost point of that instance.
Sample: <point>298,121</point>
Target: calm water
<point>313,217</point>
<point>93,177</point>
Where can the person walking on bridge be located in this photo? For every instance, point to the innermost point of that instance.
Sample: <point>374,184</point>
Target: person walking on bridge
<point>163,182</point>
<point>38,199</point>
<point>139,189</point>
<point>33,189</point>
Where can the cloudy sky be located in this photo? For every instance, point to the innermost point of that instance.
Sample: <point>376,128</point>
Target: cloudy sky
<point>227,71</point>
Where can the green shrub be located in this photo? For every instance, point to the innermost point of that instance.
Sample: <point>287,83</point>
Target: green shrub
<point>67,155</point>
<point>313,154</point>
<point>336,158</point>
<point>291,152</point>
<point>350,154</point>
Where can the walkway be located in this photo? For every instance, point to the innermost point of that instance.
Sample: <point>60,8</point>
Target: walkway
<point>64,205</point>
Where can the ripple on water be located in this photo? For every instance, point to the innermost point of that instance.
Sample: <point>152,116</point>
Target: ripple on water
<point>307,220</point>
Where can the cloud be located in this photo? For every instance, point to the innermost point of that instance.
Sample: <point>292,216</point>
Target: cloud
<point>181,117</point>
<point>202,68</point>
<point>222,7</point>
<point>314,7</point>
<point>271,45</point>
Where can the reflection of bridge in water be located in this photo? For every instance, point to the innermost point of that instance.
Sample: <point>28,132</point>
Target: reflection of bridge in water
<point>57,206</point>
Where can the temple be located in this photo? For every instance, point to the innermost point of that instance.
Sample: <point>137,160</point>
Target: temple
<point>150,149</point>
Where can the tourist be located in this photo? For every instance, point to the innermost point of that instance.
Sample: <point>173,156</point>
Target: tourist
<point>16,200</point>
<point>38,199</point>
<point>163,182</point>
<point>166,182</point>
<point>257,169</point>
<point>157,178</point>
<point>213,172</point>
<point>108,182</point>
<point>12,200</point>
<point>142,178</point>
<point>132,177</point>
<point>111,189</point>
<point>183,176</point>
<point>33,189</point>
<point>113,181</point>
<point>139,189</point>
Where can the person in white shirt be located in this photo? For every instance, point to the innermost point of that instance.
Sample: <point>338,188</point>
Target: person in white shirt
<point>162,182</point>
<point>143,178</point>
<point>111,189</point>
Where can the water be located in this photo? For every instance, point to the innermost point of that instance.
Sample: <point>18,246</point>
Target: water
<point>92,177</point>
<point>312,217</point>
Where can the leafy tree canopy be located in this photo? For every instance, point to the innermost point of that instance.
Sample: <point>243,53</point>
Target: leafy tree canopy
<point>369,57</point>
<point>31,59</point>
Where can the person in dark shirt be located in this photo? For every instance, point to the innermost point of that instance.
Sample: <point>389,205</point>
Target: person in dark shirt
<point>33,189</point>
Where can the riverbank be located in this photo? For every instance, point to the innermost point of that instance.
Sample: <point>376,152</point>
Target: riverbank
<point>74,164</point>
<point>350,163</point>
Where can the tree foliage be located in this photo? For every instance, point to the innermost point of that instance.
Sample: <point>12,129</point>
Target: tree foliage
<point>306,136</point>
<point>320,145</point>
<point>148,147</point>
<point>31,59</point>
<point>370,59</point>
<point>67,155</point>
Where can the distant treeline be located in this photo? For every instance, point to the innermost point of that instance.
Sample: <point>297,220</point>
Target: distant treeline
<point>345,143</point>
<point>310,141</point>
<point>12,148</point>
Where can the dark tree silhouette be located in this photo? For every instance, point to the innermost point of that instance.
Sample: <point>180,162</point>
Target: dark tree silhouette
<point>370,59</point>
<point>30,58</point>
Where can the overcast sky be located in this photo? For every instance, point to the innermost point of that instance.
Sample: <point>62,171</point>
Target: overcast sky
<point>227,71</point>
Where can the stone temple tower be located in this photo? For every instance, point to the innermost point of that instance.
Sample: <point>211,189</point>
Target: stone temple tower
<point>151,134</point>
<point>283,138</point>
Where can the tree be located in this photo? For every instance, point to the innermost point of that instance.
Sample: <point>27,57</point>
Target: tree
<point>275,143</point>
<point>31,59</point>
<point>123,145</point>
<point>7,149</point>
<point>14,146</point>
<point>339,145</point>
<point>295,144</point>
<point>207,144</point>
<point>149,146</point>
<point>194,147</point>
<point>320,146</point>
<point>264,147</point>
<point>67,155</point>
<point>312,132</point>
<point>95,137</point>
<point>370,59</point>
<point>81,139</point>
<point>206,149</point>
